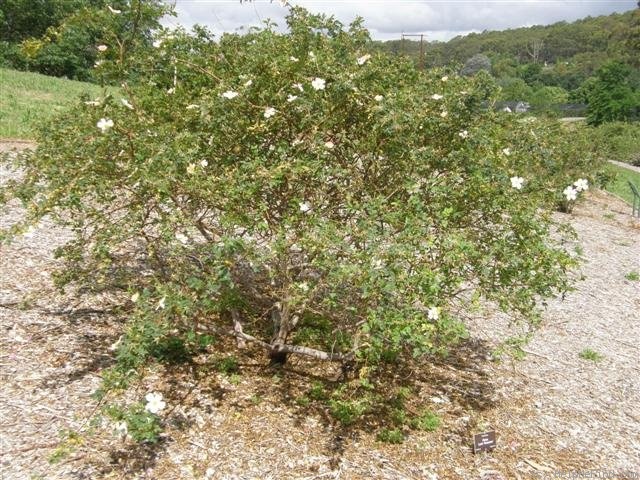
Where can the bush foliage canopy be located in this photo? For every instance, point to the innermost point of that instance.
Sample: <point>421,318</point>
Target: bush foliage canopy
<point>296,191</point>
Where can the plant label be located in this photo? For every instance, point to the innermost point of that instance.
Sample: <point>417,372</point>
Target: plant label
<point>484,442</point>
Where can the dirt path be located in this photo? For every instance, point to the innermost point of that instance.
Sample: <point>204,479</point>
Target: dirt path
<point>553,411</point>
<point>628,166</point>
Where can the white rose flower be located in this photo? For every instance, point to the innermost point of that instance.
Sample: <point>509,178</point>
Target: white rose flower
<point>121,427</point>
<point>433,313</point>
<point>570,193</point>
<point>104,124</point>
<point>305,207</point>
<point>155,403</point>
<point>182,238</point>
<point>161,303</point>
<point>229,94</point>
<point>363,59</point>
<point>318,83</point>
<point>517,182</point>
<point>581,184</point>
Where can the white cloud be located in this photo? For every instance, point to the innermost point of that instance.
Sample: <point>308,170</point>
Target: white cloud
<point>388,19</point>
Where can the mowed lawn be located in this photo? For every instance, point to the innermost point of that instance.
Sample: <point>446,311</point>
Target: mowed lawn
<point>620,184</point>
<point>26,98</point>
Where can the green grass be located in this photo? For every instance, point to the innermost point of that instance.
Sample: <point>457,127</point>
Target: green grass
<point>589,354</point>
<point>633,276</point>
<point>26,98</point>
<point>619,185</point>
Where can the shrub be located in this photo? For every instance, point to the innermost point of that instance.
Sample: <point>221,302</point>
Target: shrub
<point>619,141</point>
<point>269,181</point>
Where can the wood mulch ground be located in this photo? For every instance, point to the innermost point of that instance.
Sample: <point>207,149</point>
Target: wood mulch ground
<point>554,412</point>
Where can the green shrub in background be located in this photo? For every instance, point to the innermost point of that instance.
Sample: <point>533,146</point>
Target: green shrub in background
<point>270,181</point>
<point>619,141</point>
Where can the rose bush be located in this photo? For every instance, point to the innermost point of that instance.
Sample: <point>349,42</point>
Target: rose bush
<point>303,193</point>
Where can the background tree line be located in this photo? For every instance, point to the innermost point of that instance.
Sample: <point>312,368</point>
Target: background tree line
<point>548,65</point>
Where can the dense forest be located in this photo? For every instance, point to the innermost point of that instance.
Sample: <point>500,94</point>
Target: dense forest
<point>543,65</point>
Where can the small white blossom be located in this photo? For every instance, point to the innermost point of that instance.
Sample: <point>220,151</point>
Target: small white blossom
<point>155,403</point>
<point>248,83</point>
<point>157,43</point>
<point>102,48</point>
<point>581,184</point>
<point>191,168</point>
<point>113,10</point>
<point>318,83</point>
<point>298,86</point>
<point>203,163</point>
<point>312,55</point>
<point>506,151</point>
<point>437,96</point>
<point>463,134</point>
<point>104,124</point>
<point>193,106</point>
<point>229,94</point>
<point>570,193</point>
<point>444,114</point>
<point>433,313</point>
<point>291,98</point>
<point>121,427</point>
<point>161,303</point>
<point>135,297</point>
<point>445,78</point>
<point>182,238</point>
<point>171,91</point>
<point>305,207</point>
<point>115,345</point>
<point>378,98</point>
<point>126,103</point>
<point>363,59</point>
<point>329,144</point>
<point>377,264</point>
<point>293,59</point>
<point>269,112</point>
<point>517,182</point>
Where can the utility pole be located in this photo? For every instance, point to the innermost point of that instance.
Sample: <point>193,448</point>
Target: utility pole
<point>421,35</point>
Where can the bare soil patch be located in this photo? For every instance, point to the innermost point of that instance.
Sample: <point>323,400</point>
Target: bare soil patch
<point>553,411</point>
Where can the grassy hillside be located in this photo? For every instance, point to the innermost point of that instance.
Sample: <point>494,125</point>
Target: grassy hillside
<point>28,97</point>
<point>620,183</point>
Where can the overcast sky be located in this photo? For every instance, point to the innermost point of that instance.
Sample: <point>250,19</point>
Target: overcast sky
<point>388,19</point>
